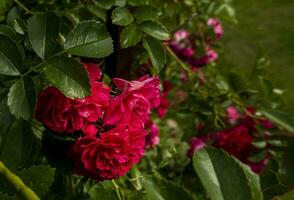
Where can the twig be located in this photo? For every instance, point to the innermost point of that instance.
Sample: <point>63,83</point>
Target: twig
<point>25,8</point>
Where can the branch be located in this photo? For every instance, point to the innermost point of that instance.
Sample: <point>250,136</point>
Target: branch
<point>17,184</point>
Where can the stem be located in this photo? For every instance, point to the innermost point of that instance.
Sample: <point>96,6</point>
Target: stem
<point>18,184</point>
<point>176,58</point>
<point>25,8</point>
<point>40,64</point>
<point>116,189</point>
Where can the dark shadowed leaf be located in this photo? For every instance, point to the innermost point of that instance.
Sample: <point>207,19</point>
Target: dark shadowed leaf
<point>104,190</point>
<point>122,16</point>
<point>43,33</point>
<point>68,75</point>
<point>98,11</point>
<point>8,31</point>
<point>156,53</point>
<point>155,30</point>
<point>89,39</point>
<point>164,190</point>
<point>287,196</point>
<point>146,13</point>
<point>130,36</point>
<point>10,56</point>
<point>21,98</point>
<point>137,2</point>
<point>105,3</point>
<point>120,3</point>
<point>38,178</point>
<point>19,143</point>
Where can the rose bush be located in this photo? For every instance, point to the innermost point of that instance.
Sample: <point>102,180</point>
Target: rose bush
<point>127,99</point>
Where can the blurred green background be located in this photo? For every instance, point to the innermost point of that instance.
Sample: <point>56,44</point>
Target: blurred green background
<point>264,26</point>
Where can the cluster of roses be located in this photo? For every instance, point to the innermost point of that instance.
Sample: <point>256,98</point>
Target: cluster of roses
<point>112,128</point>
<point>237,140</point>
<point>185,46</point>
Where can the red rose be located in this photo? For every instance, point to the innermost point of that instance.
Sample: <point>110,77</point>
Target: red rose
<point>111,154</point>
<point>237,141</point>
<point>134,105</point>
<point>65,115</point>
<point>148,87</point>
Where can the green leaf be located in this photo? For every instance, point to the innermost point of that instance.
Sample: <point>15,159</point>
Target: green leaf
<point>19,26</point>
<point>130,36</point>
<point>146,13</point>
<point>98,11</point>
<point>156,53</point>
<point>164,190</point>
<point>38,178</point>
<point>120,3</point>
<point>102,191</point>
<point>10,57</point>
<point>286,196</point>
<point>21,98</point>
<point>155,30</point>
<point>285,120</point>
<point>68,75</point>
<point>8,31</point>
<point>43,33</point>
<point>4,6</point>
<point>121,16</point>
<point>107,4</point>
<point>137,2</point>
<point>6,197</point>
<point>89,39</point>
<point>19,143</point>
<point>224,177</point>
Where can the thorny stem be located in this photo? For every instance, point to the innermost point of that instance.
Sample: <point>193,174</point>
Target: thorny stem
<point>40,64</point>
<point>175,57</point>
<point>25,8</point>
<point>17,183</point>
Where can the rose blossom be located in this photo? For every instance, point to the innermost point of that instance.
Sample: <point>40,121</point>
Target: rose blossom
<point>195,145</point>
<point>236,141</point>
<point>233,114</point>
<point>64,115</point>
<point>109,155</point>
<point>217,27</point>
<point>134,105</point>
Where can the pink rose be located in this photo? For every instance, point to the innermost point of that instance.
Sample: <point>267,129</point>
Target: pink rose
<point>233,115</point>
<point>212,55</point>
<point>180,41</point>
<point>217,27</point>
<point>110,155</point>
<point>134,105</point>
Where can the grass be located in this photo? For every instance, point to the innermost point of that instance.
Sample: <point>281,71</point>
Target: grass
<point>267,25</point>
